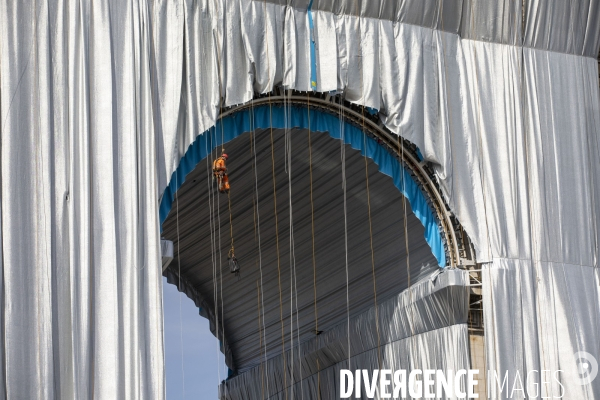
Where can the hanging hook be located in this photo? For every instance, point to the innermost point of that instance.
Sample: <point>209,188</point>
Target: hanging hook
<point>234,266</point>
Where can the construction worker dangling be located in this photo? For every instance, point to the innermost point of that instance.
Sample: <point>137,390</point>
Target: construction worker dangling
<point>220,173</point>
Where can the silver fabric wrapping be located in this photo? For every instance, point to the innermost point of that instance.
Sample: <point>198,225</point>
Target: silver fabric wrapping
<point>99,101</point>
<point>82,294</point>
<point>542,304</point>
<point>492,21</point>
<point>185,76</point>
<point>524,333</point>
<point>423,327</point>
<point>488,108</point>
<point>447,349</point>
<point>563,26</point>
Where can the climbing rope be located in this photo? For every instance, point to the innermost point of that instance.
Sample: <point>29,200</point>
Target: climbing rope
<point>404,208</point>
<point>258,288</point>
<point>412,339</point>
<point>344,187</point>
<point>210,217</point>
<point>277,251</point>
<point>371,244</point>
<point>220,277</point>
<point>214,247</point>
<point>312,218</point>
<point>257,236</point>
<point>314,260</point>
<point>293,278</point>
<point>233,263</point>
<point>275,211</point>
<point>368,195</point>
<point>179,287</point>
<point>262,375</point>
<point>220,80</point>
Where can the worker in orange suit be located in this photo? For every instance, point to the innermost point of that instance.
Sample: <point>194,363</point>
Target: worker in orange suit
<point>220,173</point>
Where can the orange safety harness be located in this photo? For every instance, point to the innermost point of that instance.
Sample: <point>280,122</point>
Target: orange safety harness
<point>220,173</point>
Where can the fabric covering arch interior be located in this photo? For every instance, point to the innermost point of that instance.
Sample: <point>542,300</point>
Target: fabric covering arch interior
<point>238,305</point>
<point>99,102</point>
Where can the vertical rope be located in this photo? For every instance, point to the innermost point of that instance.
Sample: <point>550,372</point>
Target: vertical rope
<point>344,187</point>
<point>288,171</point>
<point>411,342</point>
<point>277,252</point>
<point>257,230</point>
<point>220,283</point>
<point>296,291</point>
<point>293,278</point>
<point>258,287</point>
<point>371,245</point>
<point>230,220</point>
<point>179,287</point>
<point>275,211</point>
<point>215,248</point>
<point>312,223</point>
<point>312,218</point>
<point>220,268</point>
<point>220,84</point>
<point>404,209</point>
<point>409,283</point>
<point>262,376</point>
<point>361,68</point>
<point>211,229</point>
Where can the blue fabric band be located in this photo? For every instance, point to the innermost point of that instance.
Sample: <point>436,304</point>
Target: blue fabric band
<point>243,121</point>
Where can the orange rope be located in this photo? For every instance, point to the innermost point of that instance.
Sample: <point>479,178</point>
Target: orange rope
<point>276,219</point>
<point>314,260</point>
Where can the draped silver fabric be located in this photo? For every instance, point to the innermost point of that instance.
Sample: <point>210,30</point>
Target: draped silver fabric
<point>502,99</point>
<point>423,327</point>
<point>541,292</point>
<point>100,100</point>
<point>81,278</point>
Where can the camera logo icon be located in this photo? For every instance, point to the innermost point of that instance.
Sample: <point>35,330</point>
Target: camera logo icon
<point>587,367</point>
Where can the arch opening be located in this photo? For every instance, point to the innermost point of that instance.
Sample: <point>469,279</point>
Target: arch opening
<point>238,128</point>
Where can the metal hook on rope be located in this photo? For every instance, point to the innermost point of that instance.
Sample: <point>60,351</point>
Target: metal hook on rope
<point>234,266</point>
